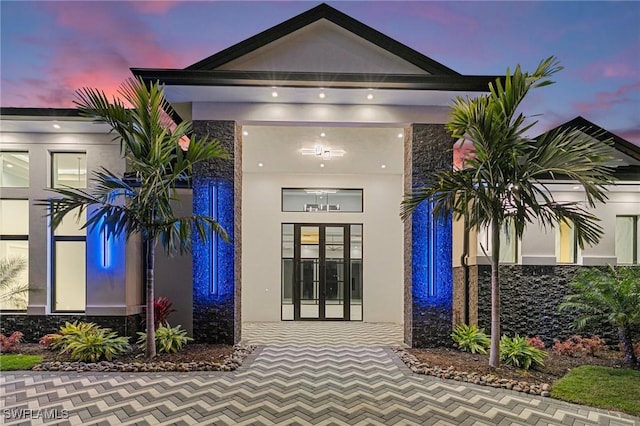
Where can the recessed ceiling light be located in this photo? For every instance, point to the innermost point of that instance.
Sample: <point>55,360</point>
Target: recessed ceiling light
<point>274,94</point>
<point>245,133</point>
<point>321,95</point>
<point>9,165</point>
<point>384,166</point>
<point>260,164</point>
<point>56,126</point>
<point>400,135</point>
<point>321,164</point>
<point>576,187</point>
<point>323,134</point>
<point>370,96</point>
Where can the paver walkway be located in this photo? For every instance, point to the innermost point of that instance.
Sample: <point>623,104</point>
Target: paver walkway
<point>292,385</point>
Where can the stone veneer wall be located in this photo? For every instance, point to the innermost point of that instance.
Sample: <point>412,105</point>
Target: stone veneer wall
<point>216,315</point>
<point>530,296</point>
<point>459,303</point>
<point>35,326</point>
<point>431,309</point>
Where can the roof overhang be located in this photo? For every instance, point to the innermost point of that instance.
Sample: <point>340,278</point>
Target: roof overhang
<point>178,77</point>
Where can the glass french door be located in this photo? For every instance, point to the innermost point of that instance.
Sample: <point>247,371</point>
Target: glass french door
<point>322,272</point>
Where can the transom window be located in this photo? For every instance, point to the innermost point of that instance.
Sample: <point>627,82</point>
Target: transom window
<point>14,169</point>
<point>318,200</point>
<point>69,169</point>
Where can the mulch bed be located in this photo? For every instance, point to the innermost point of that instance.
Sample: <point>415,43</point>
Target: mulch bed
<point>555,366</point>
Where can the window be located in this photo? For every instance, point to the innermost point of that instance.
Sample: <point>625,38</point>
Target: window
<point>566,249</point>
<point>627,239</point>
<point>508,244</point>
<point>68,260</point>
<point>69,169</point>
<point>14,169</point>
<point>14,247</point>
<point>321,200</point>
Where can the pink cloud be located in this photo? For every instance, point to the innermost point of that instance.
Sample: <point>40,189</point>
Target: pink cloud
<point>85,51</point>
<point>606,100</point>
<point>153,7</point>
<point>622,64</point>
<point>632,134</point>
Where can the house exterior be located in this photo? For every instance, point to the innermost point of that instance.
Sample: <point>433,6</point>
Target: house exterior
<point>328,123</point>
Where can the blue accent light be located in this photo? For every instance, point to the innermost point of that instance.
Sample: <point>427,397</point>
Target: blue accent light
<point>432,269</point>
<point>213,260</point>
<point>106,249</point>
<point>104,246</point>
<point>213,239</point>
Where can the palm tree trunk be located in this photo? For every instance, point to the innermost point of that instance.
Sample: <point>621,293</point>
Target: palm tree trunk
<point>624,334</point>
<point>150,350</point>
<point>494,350</point>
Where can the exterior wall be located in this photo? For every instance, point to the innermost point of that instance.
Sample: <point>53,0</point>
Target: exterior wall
<point>382,249</point>
<point>35,326</point>
<point>530,296</point>
<point>532,291</point>
<point>174,274</point>
<point>537,246</point>
<point>113,288</point>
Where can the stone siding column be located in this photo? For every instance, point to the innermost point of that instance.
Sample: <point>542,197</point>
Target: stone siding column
<point>430,260</point>
<point>216,278</point>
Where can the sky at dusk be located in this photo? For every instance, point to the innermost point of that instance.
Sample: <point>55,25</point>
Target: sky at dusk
<point>51,48</point>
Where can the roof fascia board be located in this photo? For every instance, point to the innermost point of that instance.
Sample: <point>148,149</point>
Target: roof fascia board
<point>601,134</point>
<point>475,83</point>
<point>322,11</point>
<point>16,112</point>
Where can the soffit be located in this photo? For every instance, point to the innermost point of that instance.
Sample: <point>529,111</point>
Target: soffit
<point>366,150</point>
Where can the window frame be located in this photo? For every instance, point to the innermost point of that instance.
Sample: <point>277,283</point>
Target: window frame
<point>53,239</point>
<point>574,247</point>
<point>17,237</point>
<point>635,241</point>
<point>19,151</point>
<point>52,179</point>
<point>283,189</point>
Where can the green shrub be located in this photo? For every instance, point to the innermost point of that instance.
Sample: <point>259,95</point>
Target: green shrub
<point>168,339</point>
<point>469,338</point>
<point>68,332</point>
<point>86,341</point>
<point>518,352</point>
<point>96,344</point>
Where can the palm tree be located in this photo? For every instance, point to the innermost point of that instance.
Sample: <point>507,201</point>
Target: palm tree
<point>503,183</point>
<point>153,154</point>
<point>607,296</point>
<point>11,291</point>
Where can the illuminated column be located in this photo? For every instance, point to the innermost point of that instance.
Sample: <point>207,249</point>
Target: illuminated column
<point>216,264</point>
<point>428,242</point>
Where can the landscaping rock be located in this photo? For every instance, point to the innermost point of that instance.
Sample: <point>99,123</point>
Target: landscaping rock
<point>463,376</point>
<point>229,363</point>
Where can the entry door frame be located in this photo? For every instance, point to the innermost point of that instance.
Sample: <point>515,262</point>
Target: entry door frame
<point>346,260</point>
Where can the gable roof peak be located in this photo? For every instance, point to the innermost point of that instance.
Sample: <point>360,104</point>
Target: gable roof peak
<point>317,13</point>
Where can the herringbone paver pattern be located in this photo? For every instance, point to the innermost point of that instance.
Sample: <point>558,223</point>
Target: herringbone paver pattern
<point>315,333</point>
<point>323,385</point>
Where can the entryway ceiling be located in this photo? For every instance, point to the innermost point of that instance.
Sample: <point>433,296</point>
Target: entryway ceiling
<point>367,149</point>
